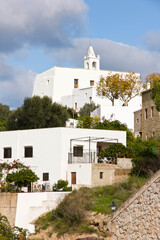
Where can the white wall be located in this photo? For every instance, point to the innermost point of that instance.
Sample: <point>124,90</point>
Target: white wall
<point>124,114</point>
<point>45,158</point>
<point>43,84</point>
<point>51,147</point>
<point>61,85</point>
<point>31,205</point>
<point>83,173</point>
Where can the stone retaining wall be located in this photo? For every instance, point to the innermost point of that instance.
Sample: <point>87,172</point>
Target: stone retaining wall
<point>8,206</point>
<point>139,217</point>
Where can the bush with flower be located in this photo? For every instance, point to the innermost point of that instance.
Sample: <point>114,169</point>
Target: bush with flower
<point>15,172</point>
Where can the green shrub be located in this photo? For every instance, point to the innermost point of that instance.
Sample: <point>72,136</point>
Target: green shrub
<point>146,163</point>
<point>22,177</point>
<point>116,150</point>
<point>9,233</point>
<point>61,185</point>
<point>70,214</point>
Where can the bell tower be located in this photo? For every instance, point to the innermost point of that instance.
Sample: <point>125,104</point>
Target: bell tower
<point>91,61</point>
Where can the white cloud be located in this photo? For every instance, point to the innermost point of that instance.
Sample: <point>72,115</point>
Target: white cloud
<point>40,22</point>
<point>15,84</point>
<point>152,41</point>
<point>114,56</point>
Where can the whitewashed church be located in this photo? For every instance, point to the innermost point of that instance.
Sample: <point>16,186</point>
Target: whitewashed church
<point>73,87</point>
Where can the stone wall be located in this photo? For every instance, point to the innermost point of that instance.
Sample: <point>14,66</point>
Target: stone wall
<point>139,217</point>
<point>151,122</point>
<point>120,175</point>
<point>138,123</point>
<point>8,206</point>
<point>107,174</point>
<point>102,174</point>
<point>124,163</point>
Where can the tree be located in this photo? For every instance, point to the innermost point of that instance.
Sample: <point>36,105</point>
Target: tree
<point>87,109</point>
<point>4,113</point>
<point>37,112</point>
<point>15,172</point>
<point>154,80</point>
<point>146,163</point>
<point>72,113</point>
<point>115,125</point>
<point>22,178</point>
<point>109,87</point>
<point>124,87</point>
<point>87,122</point>
<point>116,150</point>
<point>130,87</point>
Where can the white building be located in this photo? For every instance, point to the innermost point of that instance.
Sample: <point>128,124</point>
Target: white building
<point>54,153</point>
<point>124,114</point>
<point>73,87</point>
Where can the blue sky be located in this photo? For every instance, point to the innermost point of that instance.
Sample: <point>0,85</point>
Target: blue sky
<point>39,34</point>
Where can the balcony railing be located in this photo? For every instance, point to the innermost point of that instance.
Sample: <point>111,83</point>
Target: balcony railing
<point>88,157</point>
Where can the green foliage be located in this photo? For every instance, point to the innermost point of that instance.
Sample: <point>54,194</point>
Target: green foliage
<point>3,125</point>
<point>61,185</point>
<point>155,94</point>
<point>116,150</point>
<point>9,233</point>
<point>22,177</point>
<point>37,112</point>
<point>69,216</point>
<point>87,109</point>
<point>72,113</point>
<point>115,125</point>
<point>87,122</point>
<point>154,80</point>
<point>146,163</point>
<point>4,113</point>
<point>84,122</point>
<point>5,168</point>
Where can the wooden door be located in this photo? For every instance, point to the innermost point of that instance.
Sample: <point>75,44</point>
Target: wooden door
<point>73,177</point>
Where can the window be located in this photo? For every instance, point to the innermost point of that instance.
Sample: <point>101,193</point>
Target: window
<point>28,152</point>
<point>75,83</point>
<point>152,113</point>
<point>145,114</point>
<point>91,83</point>
<point>47,82</point>
<point>45,176</point>
<point>153,134</point>
<point>78,151</point>
<point>101,175</point>
<point>7,152</point>
<point>137,120</point>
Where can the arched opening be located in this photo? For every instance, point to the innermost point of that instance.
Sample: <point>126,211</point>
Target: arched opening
<point>94,65</point>
<point>87,65</point>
